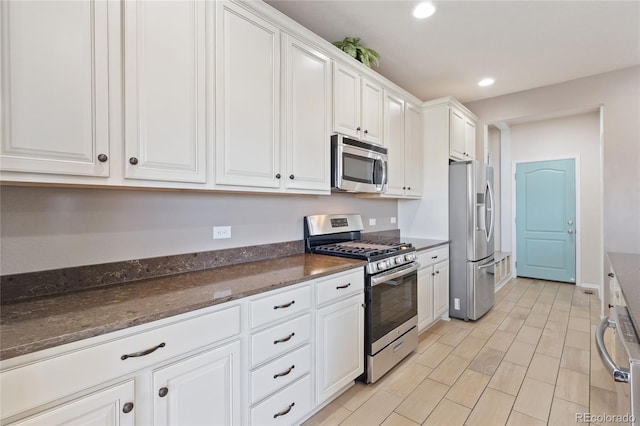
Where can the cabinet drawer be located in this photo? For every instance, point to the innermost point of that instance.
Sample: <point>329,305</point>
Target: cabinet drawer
<point>429,257</point>
<point>279,339</point>
<point>281,305</point>
<point>279,373</point>
<point>338,286</point>
<point>32,385</point>
<point>286,407</point>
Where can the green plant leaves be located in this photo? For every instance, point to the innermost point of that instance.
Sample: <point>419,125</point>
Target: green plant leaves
<point>352,47</point>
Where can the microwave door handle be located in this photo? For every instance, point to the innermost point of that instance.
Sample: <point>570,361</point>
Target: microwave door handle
<point>383,167</point>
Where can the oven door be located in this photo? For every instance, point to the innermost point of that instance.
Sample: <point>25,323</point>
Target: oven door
<point>392,306</point>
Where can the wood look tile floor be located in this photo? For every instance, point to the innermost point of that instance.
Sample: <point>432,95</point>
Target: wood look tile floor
<point>531,360</point>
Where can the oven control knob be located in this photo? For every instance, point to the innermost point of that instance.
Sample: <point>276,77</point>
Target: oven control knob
<point>381,265</point>
<point>399,260</point>
<point>409,257</point>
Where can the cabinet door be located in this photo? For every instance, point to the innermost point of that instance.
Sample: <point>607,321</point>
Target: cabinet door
<point>372,107</point>
<point>456,134</point>
<point>441,288</point>
<point>54,87</point>
<point>166,50</point>
<point>307,112</point>
<point>469,139</point>
<point>247,98</point>
<point>201,390</point>
<point>413,151</point>
<point>103,408</point>
<point>425,297</point>
<point>346,101</point>
<point>340,345</point>
<point>394,140</point>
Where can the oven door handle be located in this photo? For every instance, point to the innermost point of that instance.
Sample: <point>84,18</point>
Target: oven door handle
<point>619,374</point>
<point>379,279</point>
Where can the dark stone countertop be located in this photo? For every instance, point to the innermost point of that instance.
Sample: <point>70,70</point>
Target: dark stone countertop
<point>43,323</point>
<point>627,269</point>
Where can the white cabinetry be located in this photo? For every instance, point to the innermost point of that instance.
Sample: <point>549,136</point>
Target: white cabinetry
<point>339,333</point>
<point>462,141</point>
<point>108,407</point>
<point>167,68</point>
<point>433,285</point>
<point>54,87</point>
<point>413,152</point>
<point>201,389</point>
<point>247,99</point>
<point>357,105</point>
<point>281,385</point>
<point>177,354</point>
<point>307,116</point>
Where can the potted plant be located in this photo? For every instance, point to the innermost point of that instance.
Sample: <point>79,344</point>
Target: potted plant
<point>352,47</point>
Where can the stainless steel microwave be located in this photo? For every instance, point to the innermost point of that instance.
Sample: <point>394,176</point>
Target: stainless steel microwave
<point>357,166</point>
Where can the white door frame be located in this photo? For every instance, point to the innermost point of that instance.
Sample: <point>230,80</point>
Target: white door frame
<point>578,228</point>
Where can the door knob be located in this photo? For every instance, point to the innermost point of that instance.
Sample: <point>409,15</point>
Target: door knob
<point>570,222</point>
<point>570,231</point>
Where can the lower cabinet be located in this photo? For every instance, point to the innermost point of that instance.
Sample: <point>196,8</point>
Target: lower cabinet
<point>242,362</point>
<point>433,286</point>
<point>202,389</point>
<point>108,407</point>
<point>340,345</point>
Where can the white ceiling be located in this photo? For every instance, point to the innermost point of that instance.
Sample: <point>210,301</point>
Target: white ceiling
<point>522,44</point>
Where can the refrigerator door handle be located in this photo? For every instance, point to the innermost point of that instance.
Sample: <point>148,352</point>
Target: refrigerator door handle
<point>490,212</point>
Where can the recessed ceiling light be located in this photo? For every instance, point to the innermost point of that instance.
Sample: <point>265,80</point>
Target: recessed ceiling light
<point>486,82</point>
<point>424,10</point>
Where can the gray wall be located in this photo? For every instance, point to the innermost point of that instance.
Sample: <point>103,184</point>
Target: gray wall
<point>50,228</point>
<point>619,93</point>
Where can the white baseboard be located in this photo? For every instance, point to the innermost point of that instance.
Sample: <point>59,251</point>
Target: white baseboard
<point>503,282</point>
<point>595,287</point>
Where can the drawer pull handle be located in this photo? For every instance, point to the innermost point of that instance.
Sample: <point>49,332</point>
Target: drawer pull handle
<point>286,305</point>
<point>143,353</point>
<point>340,287</point>
<point>127,408</point>
<point>284,339</point>
<point>163,392</point>
<point>434,257</point>
<point>284,412</point>
<point>284,373</point>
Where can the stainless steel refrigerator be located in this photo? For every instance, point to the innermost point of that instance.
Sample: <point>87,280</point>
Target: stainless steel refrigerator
<point>471,229</point>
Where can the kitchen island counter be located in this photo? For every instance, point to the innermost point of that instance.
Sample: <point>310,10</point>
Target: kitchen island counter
<point>627,270</point>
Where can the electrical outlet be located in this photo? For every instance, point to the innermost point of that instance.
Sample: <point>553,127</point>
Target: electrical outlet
<point>221,232</point>
<point>393,219</point>
<point>456,304</point>
<point>372,222</point>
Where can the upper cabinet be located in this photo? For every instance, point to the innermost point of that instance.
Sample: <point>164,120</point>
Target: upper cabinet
<point>306,111</point>
<point>167,51</point>
<point>247,99</point>
<point>357,105</point>
<point>55,87</point>
<point>462,139</point>
<point>403,138</point>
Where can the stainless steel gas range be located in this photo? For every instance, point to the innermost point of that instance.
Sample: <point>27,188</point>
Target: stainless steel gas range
<point>391,282</point>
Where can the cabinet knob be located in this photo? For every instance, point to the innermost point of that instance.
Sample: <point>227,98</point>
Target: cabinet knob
<point>278,176</point>
<point>102,158</point>
<point>133,161</point>
<point>437,272</point>
<point>433,274</point>
<point>611,275</point>
<point>610,306</point>
<point>358,128</point>
<point>409,188</point>
<point>163,392</point>
<point>404,187</point>
<point>366,131</point>
<point>127,408</point>
<point>292,177</point>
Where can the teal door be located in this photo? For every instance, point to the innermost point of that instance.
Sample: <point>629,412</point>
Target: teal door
<point>545,220</point>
